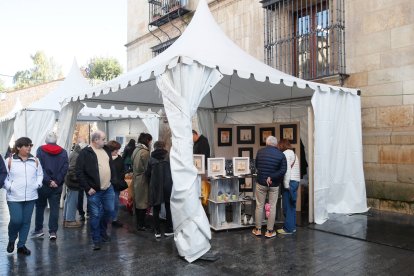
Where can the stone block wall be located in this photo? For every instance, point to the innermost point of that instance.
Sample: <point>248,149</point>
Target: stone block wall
<point>380,61</point>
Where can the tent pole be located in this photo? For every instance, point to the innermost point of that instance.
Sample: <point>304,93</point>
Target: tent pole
<point>311,126</point>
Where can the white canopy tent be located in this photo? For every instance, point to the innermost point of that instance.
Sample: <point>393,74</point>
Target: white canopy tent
<point>204,61</point>
<point>40,117</point>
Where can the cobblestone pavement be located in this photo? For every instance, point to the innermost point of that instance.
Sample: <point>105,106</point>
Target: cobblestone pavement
<point>308,252</point>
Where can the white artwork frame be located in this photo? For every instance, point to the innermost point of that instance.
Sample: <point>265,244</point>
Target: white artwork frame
<point>199,163</point>
<point>241,166</point>
<point>216,166</point>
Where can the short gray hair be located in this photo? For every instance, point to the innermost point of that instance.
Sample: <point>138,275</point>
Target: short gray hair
<point>96,135</point>
<point>51,138</point>
<point>271,141</point>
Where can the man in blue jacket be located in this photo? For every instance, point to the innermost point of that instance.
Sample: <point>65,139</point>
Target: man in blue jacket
<point>55,163</point>
<point>3,172</point>
<point>271,168</point>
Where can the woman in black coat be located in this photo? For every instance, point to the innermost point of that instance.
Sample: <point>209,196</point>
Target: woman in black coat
<point>160,186</point>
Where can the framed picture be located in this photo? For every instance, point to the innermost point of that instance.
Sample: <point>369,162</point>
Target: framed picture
<point>199,163</point>
<point>264,133</point>
<point>216,166</point>
<point>289,132</point>
<point>224,136</point>
<point>246,152</point>
<point>245,135</point>
<point>241,165</point>
<point>246,184</point>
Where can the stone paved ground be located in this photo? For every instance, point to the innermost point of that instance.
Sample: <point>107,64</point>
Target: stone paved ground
<point>309,252</point>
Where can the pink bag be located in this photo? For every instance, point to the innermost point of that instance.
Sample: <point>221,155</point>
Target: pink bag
<point>267,209</point>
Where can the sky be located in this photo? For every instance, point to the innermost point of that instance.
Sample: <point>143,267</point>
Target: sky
<point>63,29</point>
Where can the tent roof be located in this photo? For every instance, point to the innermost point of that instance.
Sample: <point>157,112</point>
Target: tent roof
<point>99,113</point>
<point>16,108</point>
<point>204,42</point>
<point>73,83</point>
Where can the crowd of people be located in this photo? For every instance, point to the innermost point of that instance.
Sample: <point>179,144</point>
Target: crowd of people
<point>98,171</point>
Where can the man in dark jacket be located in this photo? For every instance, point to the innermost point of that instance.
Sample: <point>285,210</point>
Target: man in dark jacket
<point>271,168</point>
<point>95,173</point>
<point>54,161</point>
<point>159,175</point>
<point>201,145</point>
<point>3,172</point>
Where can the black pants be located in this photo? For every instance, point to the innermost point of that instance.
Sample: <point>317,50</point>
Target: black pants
<point>140,215</point>
<point>156,215</point>
<point>80,203</point>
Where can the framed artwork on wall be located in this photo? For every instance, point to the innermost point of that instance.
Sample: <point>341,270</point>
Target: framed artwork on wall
<point>224,137</point>
<point>216,166</point>
<point>246,152</point>
<point>289,132</point>
<point>241,166</point>
<point>199,163</point>
<point>264,133</point>
<point>245,135</point>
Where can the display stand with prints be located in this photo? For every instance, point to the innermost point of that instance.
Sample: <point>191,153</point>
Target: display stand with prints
<point>225,202</point>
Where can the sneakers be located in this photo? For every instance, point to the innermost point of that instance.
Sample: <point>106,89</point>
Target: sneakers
<point>157,235</point>
<point>96,246</point>
<point>270,234</point>
<point>169,233</point>
<point>117,223</point>
<point>72,224</point>
<point>23,250</point>
<point>283,232</point>
<point>38,233</point>
<point>10,247</point>
<point>257,231</point>
<point>52,236</point>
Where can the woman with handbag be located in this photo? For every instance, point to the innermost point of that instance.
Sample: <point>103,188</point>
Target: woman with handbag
<point>120,184</point>
<point>290,188</point>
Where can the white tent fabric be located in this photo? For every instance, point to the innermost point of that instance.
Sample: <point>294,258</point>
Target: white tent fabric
<point>247,82</point>
<point>153,126</point>
<point>181,99</point>
<point>67,120</point>
<point>34,124</point>
<point>7,126</point>
<point>339,176</point>
<point>6,133</point>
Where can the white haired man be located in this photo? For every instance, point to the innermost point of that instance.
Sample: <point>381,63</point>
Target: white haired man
<point>55,163</point>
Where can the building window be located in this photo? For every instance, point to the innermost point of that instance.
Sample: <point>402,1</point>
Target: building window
<point>305,38</point>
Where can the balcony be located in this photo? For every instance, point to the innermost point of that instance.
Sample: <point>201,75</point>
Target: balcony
<point>163,11</point>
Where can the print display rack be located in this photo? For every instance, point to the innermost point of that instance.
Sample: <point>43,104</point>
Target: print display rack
<point>225,202</point>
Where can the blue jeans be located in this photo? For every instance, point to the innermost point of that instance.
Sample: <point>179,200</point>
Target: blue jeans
<point>289,206</point>
<point>116,205</point>
<point>101,208</point>
<point>71,202</point>
<point>20,218</point>
<point>53,195</point>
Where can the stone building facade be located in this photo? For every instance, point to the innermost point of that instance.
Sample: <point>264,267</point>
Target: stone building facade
<point>379,46</point>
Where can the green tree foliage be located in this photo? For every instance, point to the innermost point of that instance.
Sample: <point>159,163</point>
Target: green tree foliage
<point>45,69</point>
<point>103,68</point>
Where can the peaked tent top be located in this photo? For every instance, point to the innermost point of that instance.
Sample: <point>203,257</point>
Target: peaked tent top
<point>204,42</point>
<point>73,83</point>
